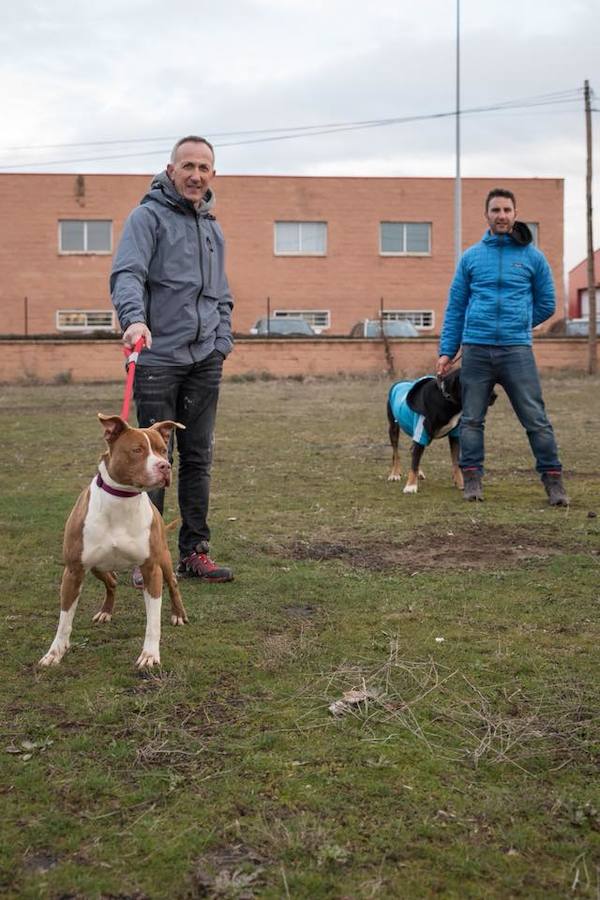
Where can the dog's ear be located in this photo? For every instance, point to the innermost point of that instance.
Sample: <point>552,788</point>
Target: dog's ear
<point>113,426</point>
<point>165,429</point>
<point>493,398</point>
<point>449,386</point>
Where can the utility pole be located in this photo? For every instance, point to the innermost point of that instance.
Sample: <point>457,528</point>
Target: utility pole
<point>457,182</point>
<point>592,343</point>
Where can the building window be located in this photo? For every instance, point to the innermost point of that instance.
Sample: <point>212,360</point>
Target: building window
<point>81,236</point>
<point>421,318</point>
<point>300,238</point>
<point>318,319</point>
<point>85,320</point>
<point>535,230</point>
<point>405,238</point>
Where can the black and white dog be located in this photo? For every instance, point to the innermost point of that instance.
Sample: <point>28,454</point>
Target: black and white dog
<point>425,409</point>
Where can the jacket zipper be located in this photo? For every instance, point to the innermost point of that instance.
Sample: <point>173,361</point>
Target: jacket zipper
<point>500,251</point>
<point>210,255</point>
<point>199,237</point>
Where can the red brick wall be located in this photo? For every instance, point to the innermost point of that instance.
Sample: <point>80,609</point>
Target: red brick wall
<point>103,360</point>
<point>578,282</point>
<point>349,280</point>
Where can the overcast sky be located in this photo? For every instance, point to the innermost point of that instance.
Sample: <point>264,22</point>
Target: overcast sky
<point>144,73</point>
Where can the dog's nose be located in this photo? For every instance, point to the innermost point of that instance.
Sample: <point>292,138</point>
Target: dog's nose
<point>163,466</point>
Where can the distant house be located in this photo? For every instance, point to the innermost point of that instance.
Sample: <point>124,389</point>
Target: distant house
<point>578,288</point>
<point>333,251</point>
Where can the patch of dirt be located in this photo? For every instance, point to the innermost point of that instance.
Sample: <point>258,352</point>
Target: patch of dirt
<point>300,611</point>
<point>492,547</point>
<point>40,863</point>
<point>234,871</point>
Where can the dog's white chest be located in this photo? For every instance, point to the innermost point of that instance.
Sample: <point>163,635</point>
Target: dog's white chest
<point>116,532</point>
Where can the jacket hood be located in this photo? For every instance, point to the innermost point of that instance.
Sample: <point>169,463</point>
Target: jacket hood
<point>521,234</point>
<point>162,190</point>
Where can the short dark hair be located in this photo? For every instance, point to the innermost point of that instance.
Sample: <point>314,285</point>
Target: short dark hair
<point>499,192</point>
<point>193,139</point>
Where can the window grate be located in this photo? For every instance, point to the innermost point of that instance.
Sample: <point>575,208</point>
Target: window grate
<point>319,319</point>
<point>421,318</point>
<point>85,320</point>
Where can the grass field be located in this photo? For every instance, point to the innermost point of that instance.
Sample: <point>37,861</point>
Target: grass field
<point>469,769</point>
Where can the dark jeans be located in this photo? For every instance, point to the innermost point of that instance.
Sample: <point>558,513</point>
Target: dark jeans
<point>189,395</point>
<point>515,369</point>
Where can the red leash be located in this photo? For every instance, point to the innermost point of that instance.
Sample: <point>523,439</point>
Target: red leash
<point>130,363</point>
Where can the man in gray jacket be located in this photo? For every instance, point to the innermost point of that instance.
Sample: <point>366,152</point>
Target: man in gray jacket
<point>168,285</point>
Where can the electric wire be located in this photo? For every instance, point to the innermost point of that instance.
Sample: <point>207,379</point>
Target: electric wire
<point>272,135</point>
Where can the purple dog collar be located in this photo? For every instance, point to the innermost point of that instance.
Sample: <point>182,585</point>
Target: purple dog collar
<point>114,491</point>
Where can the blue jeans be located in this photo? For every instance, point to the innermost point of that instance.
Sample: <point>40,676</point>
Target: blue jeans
<point>515,369</point>
<point>189,395</point>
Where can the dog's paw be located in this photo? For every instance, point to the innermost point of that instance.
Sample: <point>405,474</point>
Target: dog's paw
<point>52,657</point>
<point>394,477</point>
<point>179,620</point>
<point>421,474</point>
<point>410,489</point>
<point>102,617</point>
<point>147,660</point>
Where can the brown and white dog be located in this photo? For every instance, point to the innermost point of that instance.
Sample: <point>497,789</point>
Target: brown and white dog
<point>114,525</point>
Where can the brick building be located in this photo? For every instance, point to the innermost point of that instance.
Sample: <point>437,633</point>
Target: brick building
<point>578,288</point>
<point>331,249</point>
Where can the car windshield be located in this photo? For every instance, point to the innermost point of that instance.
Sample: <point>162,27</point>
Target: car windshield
<point>392,329</point>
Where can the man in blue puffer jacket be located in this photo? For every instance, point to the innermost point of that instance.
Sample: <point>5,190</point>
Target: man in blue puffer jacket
<point>502,289</point>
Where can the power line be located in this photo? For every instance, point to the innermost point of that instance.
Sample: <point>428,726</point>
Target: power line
<point>294,132</point>
<point>557,96</point>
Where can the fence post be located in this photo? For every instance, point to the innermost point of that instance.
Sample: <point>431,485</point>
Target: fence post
<point>389,356</point>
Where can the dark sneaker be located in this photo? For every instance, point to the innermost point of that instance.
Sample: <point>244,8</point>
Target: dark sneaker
<point>473,489</point>
<point>137,579</point>
<point>198,564</point>
<point>555,489</point>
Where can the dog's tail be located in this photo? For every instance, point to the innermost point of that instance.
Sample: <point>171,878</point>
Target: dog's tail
<point>172,524</point>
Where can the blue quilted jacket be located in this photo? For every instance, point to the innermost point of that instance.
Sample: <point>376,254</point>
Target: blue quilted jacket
<point>501,290</point>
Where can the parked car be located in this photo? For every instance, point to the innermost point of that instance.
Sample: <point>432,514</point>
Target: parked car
<point>283,327</point>
<point>371,328</point>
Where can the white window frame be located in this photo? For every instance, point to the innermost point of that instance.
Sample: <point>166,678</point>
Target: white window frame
<point>405,225</point>
<point>300,251</point>
<point>422,319</point>
<point>318,319</point>
<point>87,323</point>
<point>85,251</point>
<point>534,227</point>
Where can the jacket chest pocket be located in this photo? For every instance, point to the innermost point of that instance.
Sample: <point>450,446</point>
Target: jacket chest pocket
<point>518,275</point>
<point>209,263</point>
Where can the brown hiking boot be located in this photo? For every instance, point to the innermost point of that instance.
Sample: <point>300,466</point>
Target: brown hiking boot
<point>473,489</point>
<point>198,564</point>
<point>553,483</point>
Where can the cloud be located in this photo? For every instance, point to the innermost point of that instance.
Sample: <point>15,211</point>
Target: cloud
<point>133,69</point>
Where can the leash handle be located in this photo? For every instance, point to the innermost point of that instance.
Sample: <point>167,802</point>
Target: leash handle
<point>131,358</point>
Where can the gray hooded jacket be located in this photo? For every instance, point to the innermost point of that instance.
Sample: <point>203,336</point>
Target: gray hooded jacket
<point>169,272</point>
